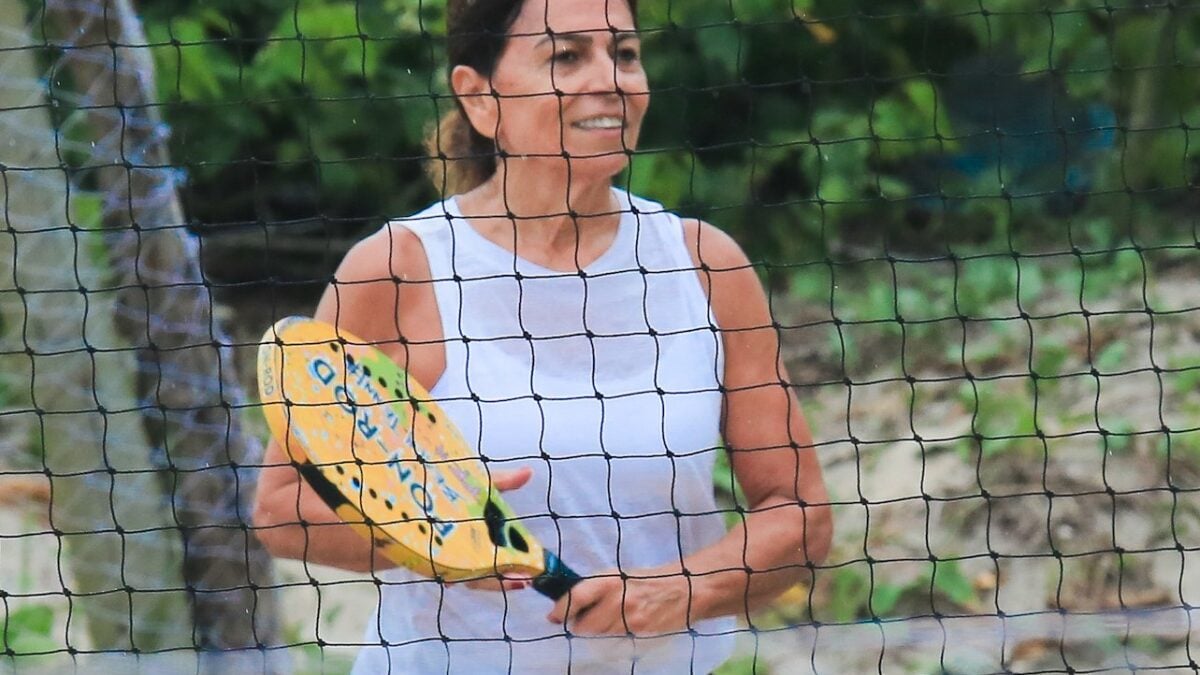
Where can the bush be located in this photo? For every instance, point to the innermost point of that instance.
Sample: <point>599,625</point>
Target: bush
<point>804,133</point>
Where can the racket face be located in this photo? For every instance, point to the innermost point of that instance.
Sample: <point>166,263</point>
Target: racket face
<point>380,452</point>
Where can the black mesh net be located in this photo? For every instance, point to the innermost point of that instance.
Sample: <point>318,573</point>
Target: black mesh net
<point>975,225</point>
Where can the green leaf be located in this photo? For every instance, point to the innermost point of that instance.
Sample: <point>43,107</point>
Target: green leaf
<point>1121,434</point>
<point>33,619</point>
<point>196,64</point>
<point>849,594</point>
<point>894,188</point>
<point>27,631</point>
<point>813,283</point>
<point>1050,354</point>
<point>722,48</point>
<point>949,579</point>
<point>1111,358</point>
<point>87,210</point>
<point>664,176</point>
<point>321,19</point>
<point>884,598</point>
<point>983,282</point>
<point>747,664</point>
<point>1032,283</point>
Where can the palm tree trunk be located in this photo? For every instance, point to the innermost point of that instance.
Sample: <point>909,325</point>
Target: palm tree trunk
<point>65,358</point>
<point>188,385</point>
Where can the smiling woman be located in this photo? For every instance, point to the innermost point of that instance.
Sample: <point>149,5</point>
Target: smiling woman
<point>538,109</point>
<point>595,349</point>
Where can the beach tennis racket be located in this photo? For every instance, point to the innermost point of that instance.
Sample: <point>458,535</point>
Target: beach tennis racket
<point>387,459</point>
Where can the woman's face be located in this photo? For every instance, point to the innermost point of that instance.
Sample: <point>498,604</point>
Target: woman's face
<point>570,80</point>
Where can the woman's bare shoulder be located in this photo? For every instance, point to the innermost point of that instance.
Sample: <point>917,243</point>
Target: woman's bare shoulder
<point>727,275</point>
<point>392,253</point>
<point>383,271</point>
<point>711,247</point>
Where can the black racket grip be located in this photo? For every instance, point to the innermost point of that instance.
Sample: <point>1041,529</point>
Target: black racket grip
<point>557,580</point>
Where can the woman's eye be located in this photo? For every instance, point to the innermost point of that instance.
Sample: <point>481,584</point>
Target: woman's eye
<point>566,56</point>
<point>628,55</point>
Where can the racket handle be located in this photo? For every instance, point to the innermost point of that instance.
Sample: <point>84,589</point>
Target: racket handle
<point>557,580</point>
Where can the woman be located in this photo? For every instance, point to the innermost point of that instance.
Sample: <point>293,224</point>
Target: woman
<point>595,349</point>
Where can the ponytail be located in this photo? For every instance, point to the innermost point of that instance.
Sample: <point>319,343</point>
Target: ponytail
<point>460,159</point>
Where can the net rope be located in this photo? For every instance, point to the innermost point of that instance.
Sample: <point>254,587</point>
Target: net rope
<point>976,224</point>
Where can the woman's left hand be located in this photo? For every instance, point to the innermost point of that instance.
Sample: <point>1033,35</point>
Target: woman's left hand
<point>643,605</point>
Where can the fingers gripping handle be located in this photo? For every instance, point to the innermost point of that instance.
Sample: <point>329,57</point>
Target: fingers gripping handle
<point>557,580</point>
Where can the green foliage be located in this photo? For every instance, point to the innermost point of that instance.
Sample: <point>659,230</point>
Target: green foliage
<point>290,110</point>
<point>1185,445</point>
<point>1183,376</point>
<point>87,210</point>
<point>855,595</point>
<point>948,580</point>
<point>311,658</point>
<point>1003,411</point>
<point>27,631</point>
<point>1112,357</point>
<point>798,126</point>
<point>743,665</point>
<point>1050,355</point>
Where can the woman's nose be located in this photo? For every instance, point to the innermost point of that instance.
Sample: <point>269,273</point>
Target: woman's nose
<point>601,76</point>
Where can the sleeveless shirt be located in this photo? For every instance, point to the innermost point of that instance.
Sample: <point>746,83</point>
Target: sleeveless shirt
<point>606,382</point>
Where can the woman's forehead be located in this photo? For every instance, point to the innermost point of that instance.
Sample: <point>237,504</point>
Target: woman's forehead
<point>539,17</point>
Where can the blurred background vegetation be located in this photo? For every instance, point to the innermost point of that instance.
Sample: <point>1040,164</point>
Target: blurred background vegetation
<point>811,129</point>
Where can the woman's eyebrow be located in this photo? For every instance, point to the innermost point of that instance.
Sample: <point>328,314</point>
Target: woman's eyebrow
<point>583,38</point>
<point>553,37</point>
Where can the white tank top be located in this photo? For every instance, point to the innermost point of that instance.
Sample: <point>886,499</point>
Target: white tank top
<point>606,382</point>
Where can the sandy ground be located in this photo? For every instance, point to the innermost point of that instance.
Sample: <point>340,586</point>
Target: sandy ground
<point>1108,533</point>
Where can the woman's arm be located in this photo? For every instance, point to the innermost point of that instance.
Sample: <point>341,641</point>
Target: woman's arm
<point>292,522</point>
<point>787,523</point>
<point>364,299</point>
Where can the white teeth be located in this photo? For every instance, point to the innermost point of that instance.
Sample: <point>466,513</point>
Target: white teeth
<point>601,123</point>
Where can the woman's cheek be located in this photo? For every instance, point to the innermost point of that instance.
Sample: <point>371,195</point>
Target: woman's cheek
<point>528,126</point>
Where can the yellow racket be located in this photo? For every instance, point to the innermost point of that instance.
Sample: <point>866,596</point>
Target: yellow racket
<point>388,460</point>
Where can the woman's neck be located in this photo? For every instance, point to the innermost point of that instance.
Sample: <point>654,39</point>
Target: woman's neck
<point>553,221</point>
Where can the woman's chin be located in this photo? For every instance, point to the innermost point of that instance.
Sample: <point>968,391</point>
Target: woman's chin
<point>580,166</point>
<point>597,166</point>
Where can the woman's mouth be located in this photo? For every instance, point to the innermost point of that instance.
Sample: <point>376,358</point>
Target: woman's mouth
<point>600,123</point>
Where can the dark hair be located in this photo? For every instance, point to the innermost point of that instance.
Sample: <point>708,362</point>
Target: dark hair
<point>461,158</point>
